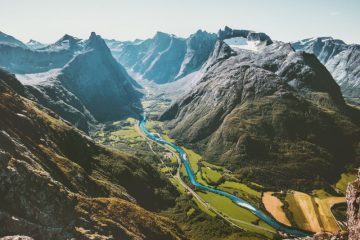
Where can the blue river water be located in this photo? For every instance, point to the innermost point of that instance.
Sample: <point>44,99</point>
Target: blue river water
<point>242,203</point>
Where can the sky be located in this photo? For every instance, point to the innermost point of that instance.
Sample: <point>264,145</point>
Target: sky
<point>285,20</point>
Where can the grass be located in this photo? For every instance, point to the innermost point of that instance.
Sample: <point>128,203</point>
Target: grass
<point>313,213</point>
<point>227,207</point>
<point>179,187</point>
<point>125,133</point>
<point>166,169</point>
<point>210,175</point>
<point>240,188</point>
<point>190,211</point>
<point>322,194</point>
<point>150,124</point>
<point>304,212</point>
<point>344,181</point>
<point>194,158</point>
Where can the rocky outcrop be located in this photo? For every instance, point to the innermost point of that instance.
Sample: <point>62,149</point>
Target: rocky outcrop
<point>17,237</point>
<point>353,209</point>
<point>228,33</point>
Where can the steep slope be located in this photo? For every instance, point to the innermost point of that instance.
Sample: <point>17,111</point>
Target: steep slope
<point>345,68</point>
<point>342,61</point>
<point>165,58</point>
<point>100,82</point>
<point>269,115</point>
<point>51,94</point>
<point>56,183</point>
<point>10,40</point>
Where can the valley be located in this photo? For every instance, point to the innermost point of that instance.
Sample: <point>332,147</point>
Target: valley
<point>310,212</point>
<point>228,135</point>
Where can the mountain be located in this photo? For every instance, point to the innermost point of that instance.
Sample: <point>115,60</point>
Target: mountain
<point>56,183</point>
<point>33,44</point>
<point>342,61</point>
<point>102,85</point>
<point>20,60</point>
<point>269,114</point>
<point>10,40</point>
<point>55,97</point>
<point>164,58</point>
<point>78,79</point>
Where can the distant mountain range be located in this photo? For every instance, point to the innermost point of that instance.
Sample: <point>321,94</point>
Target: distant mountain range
<point>78,79</point>
<point>342,61</point>
<point>165,57</point>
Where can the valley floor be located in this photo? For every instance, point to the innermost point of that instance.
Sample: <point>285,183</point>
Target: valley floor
<point>313,212</point>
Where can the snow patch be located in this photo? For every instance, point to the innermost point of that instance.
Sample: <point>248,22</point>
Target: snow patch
<point>39,78</point>
<point>242,43</point>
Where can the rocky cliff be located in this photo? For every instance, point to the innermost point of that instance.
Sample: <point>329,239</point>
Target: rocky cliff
<point>353,209</point>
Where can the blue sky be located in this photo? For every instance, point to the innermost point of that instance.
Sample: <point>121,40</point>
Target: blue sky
<point>286,20</point>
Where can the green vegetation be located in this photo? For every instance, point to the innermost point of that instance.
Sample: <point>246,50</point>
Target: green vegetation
<point>193,158</point>
<point>211,176</point>
<point>344,181</point>
<point>239,188</point>
<point>246,219</point>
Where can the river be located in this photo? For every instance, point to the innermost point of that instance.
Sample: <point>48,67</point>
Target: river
<point>239,201</point>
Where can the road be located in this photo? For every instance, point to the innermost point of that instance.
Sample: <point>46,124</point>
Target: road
<point>182,159</point>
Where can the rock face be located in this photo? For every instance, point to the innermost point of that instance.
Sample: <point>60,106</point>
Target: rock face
<point>77,79</point>
<point>342,61</point>
<point>56,183</point>
<point>353,213</point>
<point>229,33</point>
<point>101,84</point>
<point>269,115</point>
<point>16,238</point>
<point>165,58</point>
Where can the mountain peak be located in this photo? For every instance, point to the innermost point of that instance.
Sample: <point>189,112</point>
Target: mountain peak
<point>96,42</point>
<point>67,38</point>
<point>161,35</point>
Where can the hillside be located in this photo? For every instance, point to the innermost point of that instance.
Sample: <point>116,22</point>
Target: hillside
<point>56,183</point>
<point>269,114</point>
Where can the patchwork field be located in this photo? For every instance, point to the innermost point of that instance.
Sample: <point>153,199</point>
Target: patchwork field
<point>275,207</point>
<point>313,213</point>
